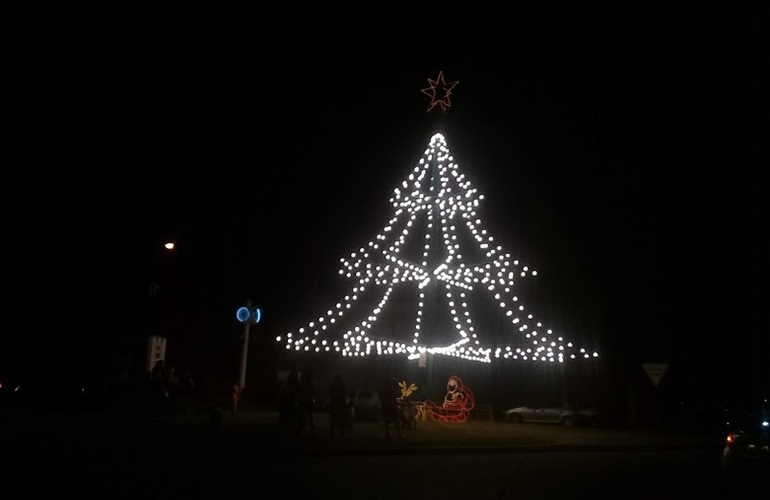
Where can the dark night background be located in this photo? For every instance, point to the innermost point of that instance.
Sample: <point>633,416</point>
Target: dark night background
<point>623,154</point>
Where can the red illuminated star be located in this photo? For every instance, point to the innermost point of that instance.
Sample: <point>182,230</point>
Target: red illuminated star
<point>439,92</point>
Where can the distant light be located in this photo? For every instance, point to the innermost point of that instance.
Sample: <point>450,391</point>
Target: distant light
<point>170,245</point>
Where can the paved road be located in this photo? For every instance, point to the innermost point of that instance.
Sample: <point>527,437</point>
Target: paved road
<point>509,475</point>
<point>97,457</point>
<point>623,474</point>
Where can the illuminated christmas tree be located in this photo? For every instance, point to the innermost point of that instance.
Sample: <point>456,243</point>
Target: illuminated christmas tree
<point>433,281</point>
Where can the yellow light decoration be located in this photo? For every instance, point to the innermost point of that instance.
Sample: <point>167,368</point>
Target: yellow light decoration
<point>406,391</point>
<point>439,92</point>
<point>446,203</point>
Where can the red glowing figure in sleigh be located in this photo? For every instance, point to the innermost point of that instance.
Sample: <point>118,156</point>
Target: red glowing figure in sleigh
<point>457,405</point>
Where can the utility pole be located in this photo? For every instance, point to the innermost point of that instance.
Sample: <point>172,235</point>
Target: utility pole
<point>247,315</point>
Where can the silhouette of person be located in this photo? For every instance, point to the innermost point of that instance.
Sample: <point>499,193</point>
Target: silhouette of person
<point>389,400</point>
<point>236,396</point>
<point>292,398</point>
<point>307,394</point>
<point>159,379</point>
<point>338,406</point>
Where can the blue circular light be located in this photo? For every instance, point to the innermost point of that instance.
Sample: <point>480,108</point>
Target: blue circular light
<point>257,315</point>
<point>243,314</point>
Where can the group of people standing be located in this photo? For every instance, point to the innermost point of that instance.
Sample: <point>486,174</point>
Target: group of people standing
<point>299,402</point>
<point>167,383</point>
<point>340,413</point>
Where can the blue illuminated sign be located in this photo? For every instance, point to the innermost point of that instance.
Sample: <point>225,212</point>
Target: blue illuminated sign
<point>243,314</point>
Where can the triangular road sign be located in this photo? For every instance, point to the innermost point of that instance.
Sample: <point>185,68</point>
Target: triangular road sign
<point>655,371</point>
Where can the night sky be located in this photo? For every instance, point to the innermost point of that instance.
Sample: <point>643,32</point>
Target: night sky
<point>622,155</point>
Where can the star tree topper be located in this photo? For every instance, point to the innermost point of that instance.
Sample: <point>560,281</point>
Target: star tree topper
<point>439,92</point>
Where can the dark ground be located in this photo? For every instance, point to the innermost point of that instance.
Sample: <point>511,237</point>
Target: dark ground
<point>181,455</point>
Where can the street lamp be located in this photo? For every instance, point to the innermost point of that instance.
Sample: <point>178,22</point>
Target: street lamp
<point>163,302</point>
<point>247,315</point>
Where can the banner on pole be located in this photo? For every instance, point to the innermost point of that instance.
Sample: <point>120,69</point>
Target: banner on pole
<point>156,351</point>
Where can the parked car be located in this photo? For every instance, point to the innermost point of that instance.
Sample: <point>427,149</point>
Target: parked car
<point>552,412</point>
<point>746,453</point>
<point>365,403</point>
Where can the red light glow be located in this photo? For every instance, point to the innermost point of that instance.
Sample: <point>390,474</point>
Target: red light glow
<point>457,405</point>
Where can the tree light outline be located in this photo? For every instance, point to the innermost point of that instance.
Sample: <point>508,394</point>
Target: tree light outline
<point>495,277</point>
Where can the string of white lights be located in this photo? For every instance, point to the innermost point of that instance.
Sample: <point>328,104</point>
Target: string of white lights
<point>442,196</point>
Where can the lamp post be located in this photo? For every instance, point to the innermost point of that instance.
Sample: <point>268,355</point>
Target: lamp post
<point>247,315</point>
<point>163,302</point>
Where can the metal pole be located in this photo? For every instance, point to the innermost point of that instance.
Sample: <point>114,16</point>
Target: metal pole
<point>244,355</point>
<point>245,351</point>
